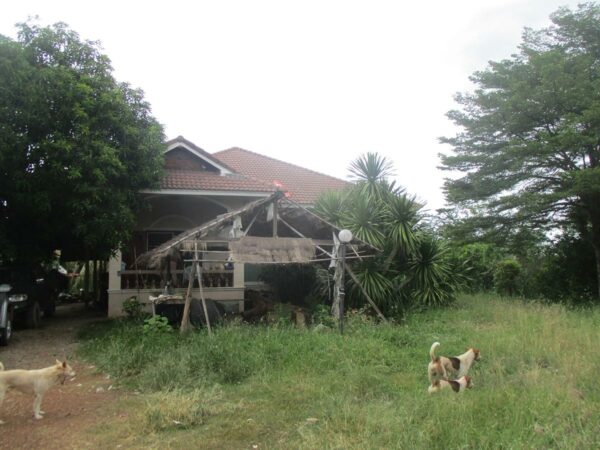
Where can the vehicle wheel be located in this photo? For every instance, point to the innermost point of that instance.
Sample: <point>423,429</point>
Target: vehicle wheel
<point>6,333</point>
<point>50,309</point>
<point>34,315</point>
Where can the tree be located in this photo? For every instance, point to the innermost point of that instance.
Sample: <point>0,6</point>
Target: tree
<point>75,147</point>
<point>413,267</point>
<point>530,141</point>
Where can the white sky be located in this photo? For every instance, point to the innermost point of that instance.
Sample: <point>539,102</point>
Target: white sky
<point>314,83</point>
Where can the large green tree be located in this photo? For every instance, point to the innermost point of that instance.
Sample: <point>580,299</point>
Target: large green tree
<point>529,145</point>
<point>75,147</point>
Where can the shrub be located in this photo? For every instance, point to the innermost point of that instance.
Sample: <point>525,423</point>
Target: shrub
<point>506,276</point>
<point>132,308</point>
<point>157,324</point>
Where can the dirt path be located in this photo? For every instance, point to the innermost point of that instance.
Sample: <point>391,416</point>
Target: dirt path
<point>78,404</point>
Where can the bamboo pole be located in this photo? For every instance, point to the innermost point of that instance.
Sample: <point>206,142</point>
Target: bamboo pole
<point>185,319</point>
<point>202,298</point>
<point>275,218</point>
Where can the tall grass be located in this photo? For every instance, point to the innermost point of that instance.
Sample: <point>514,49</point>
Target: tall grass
<point>536,386</point>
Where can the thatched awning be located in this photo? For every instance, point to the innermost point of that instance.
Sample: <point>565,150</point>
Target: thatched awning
<point>152,258</point>
<point>260,249</point>
<point>263,250</point>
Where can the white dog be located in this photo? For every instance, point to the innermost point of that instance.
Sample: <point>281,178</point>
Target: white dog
<point>441,366</point>
<point>435,369</point>
<point>35,382</point>
<point>457,386</point>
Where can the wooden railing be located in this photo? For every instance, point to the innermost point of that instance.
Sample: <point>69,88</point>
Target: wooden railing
<point>155,279</point>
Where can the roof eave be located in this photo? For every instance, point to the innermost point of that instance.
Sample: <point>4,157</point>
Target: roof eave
<point>205,192</point>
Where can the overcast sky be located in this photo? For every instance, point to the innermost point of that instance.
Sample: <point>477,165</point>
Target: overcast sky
<point>314,83</point>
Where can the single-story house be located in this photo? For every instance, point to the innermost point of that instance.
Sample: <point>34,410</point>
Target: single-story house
<point>199,187</point>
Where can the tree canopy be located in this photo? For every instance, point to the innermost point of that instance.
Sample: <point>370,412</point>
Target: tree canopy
<point>75,147</point>
<point>529,145</point>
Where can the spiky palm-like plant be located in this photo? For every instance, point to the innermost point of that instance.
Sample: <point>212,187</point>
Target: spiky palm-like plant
<point>431,273</point>
<point>413,265</point>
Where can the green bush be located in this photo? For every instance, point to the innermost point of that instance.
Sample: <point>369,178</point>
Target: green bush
<point>157,324</point>
<point>476,263</point>
<point>506,277</point>
<point>132,308</point>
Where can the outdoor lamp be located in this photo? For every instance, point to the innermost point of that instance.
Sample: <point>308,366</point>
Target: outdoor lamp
<point>345,236</point>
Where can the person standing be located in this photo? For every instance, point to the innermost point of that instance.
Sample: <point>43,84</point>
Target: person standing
<point>56,281</point>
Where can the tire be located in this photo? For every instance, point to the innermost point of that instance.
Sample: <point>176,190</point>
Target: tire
<point>50,309</point>
<point>6,333</point>
<point>34,315</point>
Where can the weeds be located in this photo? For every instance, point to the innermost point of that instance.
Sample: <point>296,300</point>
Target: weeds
<point>535,387</point>
<point>181,409</point>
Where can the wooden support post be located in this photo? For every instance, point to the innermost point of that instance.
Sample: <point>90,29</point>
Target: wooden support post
<point>337,280</point>
<point>275,218</point>
<point>185,319</point>
<point>342,290</point>
<point>202,298</point>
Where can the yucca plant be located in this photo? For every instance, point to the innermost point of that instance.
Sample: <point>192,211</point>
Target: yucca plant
<point>331,206</point>
<point>413,267</point>
<point>431,273</point>
<point>376,283</point>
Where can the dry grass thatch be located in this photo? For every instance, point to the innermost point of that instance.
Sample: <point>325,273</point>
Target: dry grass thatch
<point>257,250</point>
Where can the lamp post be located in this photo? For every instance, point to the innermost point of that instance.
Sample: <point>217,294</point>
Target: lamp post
<point>345,236</point>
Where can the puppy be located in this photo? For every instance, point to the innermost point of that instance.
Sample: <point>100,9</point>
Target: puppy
<point>457,366</point>
<point>435,369</point>
<point>457,386</point>
<point>35,382</point>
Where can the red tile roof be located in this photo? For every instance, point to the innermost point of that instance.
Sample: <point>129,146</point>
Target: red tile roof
<point>304,185</point>
<point>210,181</point>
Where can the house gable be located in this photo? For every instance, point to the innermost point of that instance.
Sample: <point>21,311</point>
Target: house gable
<point>184,154</point>
<point>180,158</point>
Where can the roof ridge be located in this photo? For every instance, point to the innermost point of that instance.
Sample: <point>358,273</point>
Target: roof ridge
<point>278,160</point>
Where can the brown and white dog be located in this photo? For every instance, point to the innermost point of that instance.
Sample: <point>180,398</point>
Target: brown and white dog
<point>457,366</point>
<point>457,386</point>
<point>435,369</point>
<point>35,382</point>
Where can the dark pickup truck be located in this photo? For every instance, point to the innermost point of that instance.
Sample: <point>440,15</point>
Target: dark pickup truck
<point>24,295</point>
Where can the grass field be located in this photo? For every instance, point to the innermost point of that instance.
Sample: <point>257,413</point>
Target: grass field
<point>535,387</point>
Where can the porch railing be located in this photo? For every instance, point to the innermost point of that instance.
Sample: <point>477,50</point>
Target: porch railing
<point>156,279</point>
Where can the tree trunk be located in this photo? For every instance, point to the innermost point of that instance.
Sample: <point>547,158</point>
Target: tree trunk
<point>594,234</point>
<point>597,253</point>
<point>596,245</point>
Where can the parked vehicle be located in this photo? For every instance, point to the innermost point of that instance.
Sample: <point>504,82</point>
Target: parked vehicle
<point>24,295</point>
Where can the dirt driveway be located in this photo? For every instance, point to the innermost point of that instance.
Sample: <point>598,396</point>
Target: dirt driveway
<point>77,405</point>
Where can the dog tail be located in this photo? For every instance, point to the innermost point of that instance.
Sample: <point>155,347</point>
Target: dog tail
<point>1,366</point>
<point>432,351</point>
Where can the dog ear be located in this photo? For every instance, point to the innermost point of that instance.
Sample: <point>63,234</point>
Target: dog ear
<point>58,363</point>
